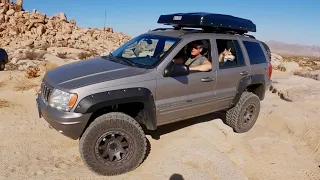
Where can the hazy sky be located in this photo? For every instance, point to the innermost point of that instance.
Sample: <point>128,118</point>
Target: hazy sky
<point>294,21</point>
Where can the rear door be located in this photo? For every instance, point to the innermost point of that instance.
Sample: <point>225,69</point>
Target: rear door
<point>257,57</point>
<point>230,73</point>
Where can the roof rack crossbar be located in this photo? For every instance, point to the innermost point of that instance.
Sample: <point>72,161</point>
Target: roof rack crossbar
<point>221,31</point>
<point>161,29</point>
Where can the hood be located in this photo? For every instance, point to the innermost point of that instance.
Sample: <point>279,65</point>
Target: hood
<point>90,71</point>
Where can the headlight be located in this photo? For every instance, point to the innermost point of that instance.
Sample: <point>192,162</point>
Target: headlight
<point>62,100</point>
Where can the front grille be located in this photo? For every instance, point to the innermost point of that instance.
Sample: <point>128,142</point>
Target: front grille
<point>46,91</point>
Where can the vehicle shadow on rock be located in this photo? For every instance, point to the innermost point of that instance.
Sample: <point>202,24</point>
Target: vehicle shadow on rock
<point>148,150</point>
<point>165,129</point>
<point>176,177</point>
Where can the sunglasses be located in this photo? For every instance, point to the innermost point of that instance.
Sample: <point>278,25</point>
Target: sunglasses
<point>195,47</point>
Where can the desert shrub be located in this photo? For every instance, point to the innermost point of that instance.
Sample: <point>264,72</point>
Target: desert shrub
<point>4,103</point>
<point>62,55</point>
<point>31,46</point>
<point>32,55</point>
<point>32,72</point>
<point>12,67</point>
<point>86,55</point>
<point>49,66</point>
<point>25,85</point>
<point>45,46</point>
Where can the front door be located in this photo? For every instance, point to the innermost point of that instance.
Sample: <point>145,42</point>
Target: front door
<point>182,97</point>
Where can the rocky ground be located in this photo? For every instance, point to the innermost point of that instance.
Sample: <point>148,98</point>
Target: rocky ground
<point>284,144</point>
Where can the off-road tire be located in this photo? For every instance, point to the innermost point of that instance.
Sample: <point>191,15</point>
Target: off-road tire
<point>114,121</point>
<point>2,65</point>
<point>235,115</point>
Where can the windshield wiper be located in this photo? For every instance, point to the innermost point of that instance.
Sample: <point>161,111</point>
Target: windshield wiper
<point>126,60</point>
<point>116,58</point>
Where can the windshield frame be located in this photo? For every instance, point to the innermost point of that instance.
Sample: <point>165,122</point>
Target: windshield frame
<point>121,49</point>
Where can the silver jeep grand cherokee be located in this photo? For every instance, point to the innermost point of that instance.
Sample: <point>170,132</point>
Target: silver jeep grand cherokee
<point>109,102</point>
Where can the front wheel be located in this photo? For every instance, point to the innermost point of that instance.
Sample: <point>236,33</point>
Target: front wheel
<point>244,115</point>
<point>113,144</point>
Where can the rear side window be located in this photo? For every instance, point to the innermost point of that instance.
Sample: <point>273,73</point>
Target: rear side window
<point>230,54</point>
<point>255,52</point>
<point>266,47</point>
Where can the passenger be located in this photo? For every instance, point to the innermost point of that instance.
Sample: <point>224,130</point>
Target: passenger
<point>226,55</point>
<point>196,61</point>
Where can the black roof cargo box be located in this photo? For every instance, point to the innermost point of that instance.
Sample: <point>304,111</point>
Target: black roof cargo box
<point>208,20</point>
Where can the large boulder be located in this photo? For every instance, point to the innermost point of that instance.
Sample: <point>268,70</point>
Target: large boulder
<point>276,60</point>
<point>309,74</point>
<point>289,67</point>
<point>21,29</point>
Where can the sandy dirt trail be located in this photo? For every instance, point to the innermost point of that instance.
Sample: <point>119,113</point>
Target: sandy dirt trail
<point>284,144</point>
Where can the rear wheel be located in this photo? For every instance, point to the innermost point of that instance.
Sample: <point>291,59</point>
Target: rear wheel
<point>113,144</point>
<point>2,65</point>
<point>244,115</point>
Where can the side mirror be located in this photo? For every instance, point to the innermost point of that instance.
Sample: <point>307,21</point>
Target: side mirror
<point>177,70</point>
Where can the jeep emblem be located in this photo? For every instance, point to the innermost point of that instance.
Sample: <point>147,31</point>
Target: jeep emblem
<point>177,18</point>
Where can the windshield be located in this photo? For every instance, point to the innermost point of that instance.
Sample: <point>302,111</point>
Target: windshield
<point>145,50</point>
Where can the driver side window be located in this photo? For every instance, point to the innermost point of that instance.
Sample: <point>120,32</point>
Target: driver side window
<point>194,56</point>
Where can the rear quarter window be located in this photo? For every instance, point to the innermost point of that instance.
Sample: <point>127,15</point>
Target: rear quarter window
<point>255,52</point>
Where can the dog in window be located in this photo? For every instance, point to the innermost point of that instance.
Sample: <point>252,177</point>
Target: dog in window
<point>226,55</point>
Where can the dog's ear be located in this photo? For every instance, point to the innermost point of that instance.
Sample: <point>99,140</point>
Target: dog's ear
<point>229,50</point>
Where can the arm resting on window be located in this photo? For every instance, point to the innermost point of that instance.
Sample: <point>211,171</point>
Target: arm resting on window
<point>206,66</point>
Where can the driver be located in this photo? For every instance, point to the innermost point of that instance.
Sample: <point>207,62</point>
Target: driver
<point>196,61</point>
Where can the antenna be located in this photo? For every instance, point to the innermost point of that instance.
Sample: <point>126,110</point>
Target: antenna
<point>104,29</point>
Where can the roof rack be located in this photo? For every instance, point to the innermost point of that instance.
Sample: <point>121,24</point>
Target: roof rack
<point>208,22</point>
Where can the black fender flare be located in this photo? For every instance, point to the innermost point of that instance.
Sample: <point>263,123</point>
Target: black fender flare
<point>4,56</point>
<point>94,102</point>
<point>248,81</point>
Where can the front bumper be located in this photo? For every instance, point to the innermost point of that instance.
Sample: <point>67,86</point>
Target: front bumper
<point>67,123</point>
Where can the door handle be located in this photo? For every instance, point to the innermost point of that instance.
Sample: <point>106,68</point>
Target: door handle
<point>244,73</point>
<point>207,79</point>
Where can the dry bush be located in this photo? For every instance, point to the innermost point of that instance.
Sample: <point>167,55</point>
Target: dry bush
<point>12,67</point>
<point>32,72</point>
<point>31,46</point>
<point>89,54</point>
<point>94,53</point>
<point>24,85</point>
<point>62,55</point>
<point>49,66</point>
<point>32,55</point>
<point>4,103</point>
<point>45,46</point>
<point>84,55</point>
<point>304,61</point>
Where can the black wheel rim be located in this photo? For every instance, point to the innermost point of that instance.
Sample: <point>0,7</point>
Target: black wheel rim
<point>249,114</point>
<point>113,147</point>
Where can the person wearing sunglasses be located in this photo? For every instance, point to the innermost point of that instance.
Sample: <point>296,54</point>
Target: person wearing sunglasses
<point>196,61</point>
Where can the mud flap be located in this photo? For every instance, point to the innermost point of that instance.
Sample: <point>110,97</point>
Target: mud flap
<point>39,111</point>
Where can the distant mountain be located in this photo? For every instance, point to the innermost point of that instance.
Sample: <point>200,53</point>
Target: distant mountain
<point>293,49</point>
